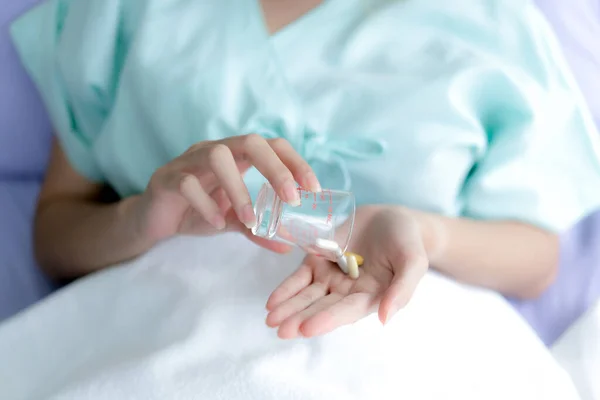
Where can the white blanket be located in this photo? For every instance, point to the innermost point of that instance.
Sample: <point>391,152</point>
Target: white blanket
<point>579,352</point>
<point>186,321</point>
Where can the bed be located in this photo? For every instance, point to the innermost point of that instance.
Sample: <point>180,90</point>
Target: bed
<point>25,135</point>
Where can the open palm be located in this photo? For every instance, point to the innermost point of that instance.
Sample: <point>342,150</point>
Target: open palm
<point>319,297</point>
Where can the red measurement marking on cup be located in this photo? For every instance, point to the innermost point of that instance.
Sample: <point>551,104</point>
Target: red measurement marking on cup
<point>314,206</point>
<point>300,191</point>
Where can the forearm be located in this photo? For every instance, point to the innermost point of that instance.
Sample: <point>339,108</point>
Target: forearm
<point>512,258</point>
<point>74,238</point>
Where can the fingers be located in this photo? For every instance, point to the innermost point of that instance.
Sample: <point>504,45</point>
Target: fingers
<point>199,200</point>
<point>410,271</point>
<point>224,167</point>
<point>208,166</point>
<point>346,310</point>
<point>220,197</point>
<point>299,168</point>
<point>267,162</point>
<point>325,314</point>
<point>297,303</point>
<point>277,161</point>
<point>290,287</point>
<point>294,325</point>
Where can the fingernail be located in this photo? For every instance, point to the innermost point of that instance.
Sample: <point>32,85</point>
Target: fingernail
<point>291,195</point>
<point>313,183</point>
<point>248,217</point>
<point>219,222</point>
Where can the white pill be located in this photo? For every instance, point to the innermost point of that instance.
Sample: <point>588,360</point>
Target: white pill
<point>342,260</point>
<point>330,245</point>
<point>343,264</point>
<point>353,271</point>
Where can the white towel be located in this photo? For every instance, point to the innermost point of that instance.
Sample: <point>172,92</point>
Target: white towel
<point>186,321</point>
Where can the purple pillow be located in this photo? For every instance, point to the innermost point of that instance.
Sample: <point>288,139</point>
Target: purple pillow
<point>25,130</point>
<point>577,25</point>
<point>577,287</point>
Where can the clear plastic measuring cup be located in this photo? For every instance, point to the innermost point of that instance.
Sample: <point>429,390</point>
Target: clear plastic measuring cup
<point>328,215</point>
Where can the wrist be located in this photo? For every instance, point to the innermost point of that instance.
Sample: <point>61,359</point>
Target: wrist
<point>433,234</point>
<point>131,211</point>
<point>432,227</point>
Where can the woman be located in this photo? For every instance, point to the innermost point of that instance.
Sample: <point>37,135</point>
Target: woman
<point>457,126</point>
<point>467,149</point>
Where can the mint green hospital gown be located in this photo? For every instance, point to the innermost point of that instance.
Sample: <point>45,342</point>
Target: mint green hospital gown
<point>464,107</point>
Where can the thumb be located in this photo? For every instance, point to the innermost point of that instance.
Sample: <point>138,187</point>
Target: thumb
<point>407,274</point>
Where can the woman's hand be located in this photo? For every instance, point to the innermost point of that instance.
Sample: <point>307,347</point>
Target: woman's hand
<point>202,192</point>
<point>319,297</point>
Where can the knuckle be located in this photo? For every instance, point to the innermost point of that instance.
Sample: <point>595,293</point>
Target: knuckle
<point>186,180</point>
<point>161,180</point>
<point>253,140</point>
<point>157,179</point>
<point>217,154</point>
<point>196,146</point>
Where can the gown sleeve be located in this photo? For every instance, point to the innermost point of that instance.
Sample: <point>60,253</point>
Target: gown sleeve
<point>73,51</point>
<point>541,164</point>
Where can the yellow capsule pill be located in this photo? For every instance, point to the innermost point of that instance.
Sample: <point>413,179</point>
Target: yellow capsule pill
<point>353,271</point>
<point>359,259</point>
